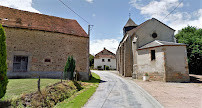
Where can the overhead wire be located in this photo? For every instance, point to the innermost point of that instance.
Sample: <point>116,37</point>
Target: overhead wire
<point>74,11</point>
<point>166,16</point>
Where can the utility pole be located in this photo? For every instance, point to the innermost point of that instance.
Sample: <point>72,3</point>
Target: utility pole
<point>89,29</point>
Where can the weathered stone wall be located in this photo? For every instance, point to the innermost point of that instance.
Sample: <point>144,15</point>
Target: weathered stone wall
<point>122,60</point>
<point>41,45</point>
<point>155,68</point>
<point>128,57</point>
<point>144,33</point>
<point>176,64</point>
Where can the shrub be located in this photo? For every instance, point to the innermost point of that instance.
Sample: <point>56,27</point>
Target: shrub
<point>69,68</point>
<point>3,65</point>
<point>99,67</point>
<point>106,67</point>
<point>146,74</point>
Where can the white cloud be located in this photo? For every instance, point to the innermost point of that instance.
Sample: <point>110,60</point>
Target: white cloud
<point>90,1</point>
<point>159,9</point>
<point>98,45</point>
<point>19,4</point>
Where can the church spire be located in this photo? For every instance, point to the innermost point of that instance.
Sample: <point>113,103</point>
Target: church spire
<point>130,23</point>
<point>129,26</point>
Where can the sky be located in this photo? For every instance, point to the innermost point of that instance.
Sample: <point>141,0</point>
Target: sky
<point>109,16</point>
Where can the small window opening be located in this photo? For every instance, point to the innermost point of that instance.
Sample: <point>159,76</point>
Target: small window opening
<point>109,60</point>
<point>20,63</point>
<point>103,60</point>
<point>153,56</point>
<point>19,21</point>
<point>47,60</point>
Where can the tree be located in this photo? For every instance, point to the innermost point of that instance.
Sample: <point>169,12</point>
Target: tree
<point>91,60</point>
<point>69,68</point>
<point>3,65</point>
<point>193,38</point>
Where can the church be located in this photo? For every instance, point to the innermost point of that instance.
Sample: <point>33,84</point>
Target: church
<point>151,48</point>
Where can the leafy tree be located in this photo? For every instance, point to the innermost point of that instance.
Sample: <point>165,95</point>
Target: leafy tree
<point>193,38</point>
<point>69,68</point>
<point>91,60</point>
<point>3,65</point>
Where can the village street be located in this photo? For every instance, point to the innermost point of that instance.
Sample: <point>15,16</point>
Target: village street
<point>117,92</point>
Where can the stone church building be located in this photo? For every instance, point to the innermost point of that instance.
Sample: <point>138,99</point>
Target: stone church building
<point>151,48</point>
<point>39,44</point>
<point>105,58</point>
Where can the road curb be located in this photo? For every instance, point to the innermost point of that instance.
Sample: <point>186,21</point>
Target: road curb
<point>150,98</point>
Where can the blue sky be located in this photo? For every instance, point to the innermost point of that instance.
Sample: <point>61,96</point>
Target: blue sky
<point>109,16</point>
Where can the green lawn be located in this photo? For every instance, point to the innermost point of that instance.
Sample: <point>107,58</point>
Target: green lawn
<point>18,86</point>
<point>80,98</point>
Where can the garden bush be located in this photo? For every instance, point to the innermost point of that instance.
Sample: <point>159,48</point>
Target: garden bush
<point>3,65</point>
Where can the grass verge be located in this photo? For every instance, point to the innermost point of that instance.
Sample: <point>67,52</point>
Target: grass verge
<point>16,87</point>
<point>80,98</point>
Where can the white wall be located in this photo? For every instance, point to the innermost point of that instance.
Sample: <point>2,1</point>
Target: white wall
<point>111,64</point>
<point>146,65</point>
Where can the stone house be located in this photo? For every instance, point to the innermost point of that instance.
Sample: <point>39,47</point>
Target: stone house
<point>39,44</point>
<point>151,48</point>
<point>105,58</point>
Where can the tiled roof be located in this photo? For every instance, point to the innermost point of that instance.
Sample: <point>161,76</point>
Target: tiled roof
<point>156,43</point>
<point>105,54</point>
<point>23,19</point>
<point>130,23</point>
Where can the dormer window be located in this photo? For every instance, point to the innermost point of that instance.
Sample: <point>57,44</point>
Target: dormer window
<point>154,35</point>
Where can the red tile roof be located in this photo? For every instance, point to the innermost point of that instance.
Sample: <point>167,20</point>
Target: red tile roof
<point>23,19</point>
<point>105,54</point>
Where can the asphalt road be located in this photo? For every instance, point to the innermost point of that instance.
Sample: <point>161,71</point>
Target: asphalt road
<point>117,92</point>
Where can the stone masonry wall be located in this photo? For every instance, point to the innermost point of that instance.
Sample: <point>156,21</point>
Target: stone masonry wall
<point>41,45</point>
<point>155,68</point>
<point>176,64</point>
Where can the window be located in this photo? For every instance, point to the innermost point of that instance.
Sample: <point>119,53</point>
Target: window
<point>103,60</point>
<point>20,63</point>
<point>153,56</point>
<point>109,60</point>
<point>47,60</point>
<point>154,35</point>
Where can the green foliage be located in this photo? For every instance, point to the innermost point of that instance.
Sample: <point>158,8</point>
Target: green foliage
<point>99,67</point>
<point>106,67</point>
<point>91,60</point>
<point>193,38</point>
<point>82,97</point>
<point>3,65</point>
<point>16,87</point>
<point>146,74</point>
<point>49,96</point>
<point>69,68</point>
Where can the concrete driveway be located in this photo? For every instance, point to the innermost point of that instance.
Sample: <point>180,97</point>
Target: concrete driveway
<point>118,92</point>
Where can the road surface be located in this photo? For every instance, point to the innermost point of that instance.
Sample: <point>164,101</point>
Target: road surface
<point>117,92</point>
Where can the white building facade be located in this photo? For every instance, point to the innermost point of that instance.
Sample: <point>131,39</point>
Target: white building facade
<point>105,60</point>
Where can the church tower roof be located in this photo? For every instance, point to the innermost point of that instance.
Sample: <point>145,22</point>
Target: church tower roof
<point>130,23</point>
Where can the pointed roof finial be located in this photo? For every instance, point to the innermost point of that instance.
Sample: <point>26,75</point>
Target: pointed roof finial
<point>130,23</point>
<point>129,14</point>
